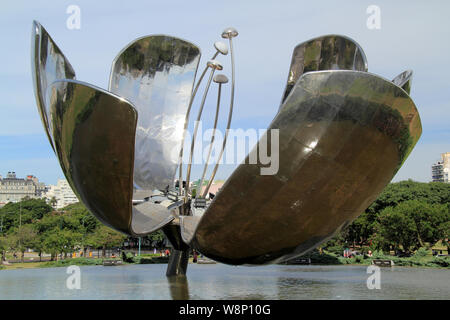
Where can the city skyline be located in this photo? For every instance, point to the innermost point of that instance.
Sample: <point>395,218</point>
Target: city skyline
<point>268,34</point>
<point>14,188</point>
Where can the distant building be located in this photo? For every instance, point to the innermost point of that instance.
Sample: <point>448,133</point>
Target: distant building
<point>214,188</point>
<point>13,189</point>
<point>441,169</point>
<point>62,193</point>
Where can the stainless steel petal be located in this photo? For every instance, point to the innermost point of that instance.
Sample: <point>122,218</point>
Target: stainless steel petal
<point>342,137</point>
<point>156,73</point>
<point>149,217</point>
<point>404,80</point>
<point>330,52</point>
<point>48,64</point>
<point>188,227</point>
<point>94,133</point>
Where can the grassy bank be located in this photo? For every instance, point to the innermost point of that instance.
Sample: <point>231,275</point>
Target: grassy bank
<point>129,259</point>
<point>52,264</point>
<point>421,259</point>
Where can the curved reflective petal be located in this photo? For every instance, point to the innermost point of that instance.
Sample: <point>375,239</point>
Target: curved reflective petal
<point>342,137</point>
<point>149,217</point>
<point>94,131</point>
<point>330,52</point>
<point>156,73</point>
<point>403,80</point>
<point>188,227</point>
<point>48,64</point>
<point>94,134</point>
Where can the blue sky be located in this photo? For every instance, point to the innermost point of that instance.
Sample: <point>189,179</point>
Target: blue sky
<point>414,35</point>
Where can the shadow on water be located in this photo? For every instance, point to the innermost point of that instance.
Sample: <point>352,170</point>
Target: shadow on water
<point>179,287</point>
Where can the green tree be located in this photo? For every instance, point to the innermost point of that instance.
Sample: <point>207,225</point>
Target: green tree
<point>365,229</point>
<point>104,237</point>
<point>53,202</point>
<point>394,228</point>
<point>22,238</point>
<point>395,193</point>
<point>23,212</point>
<point>157,237</point>
<point>53,242</point>
<point>3,247</point>
<point>38,245</point>
<point>444,229</point>
<point>57,241</point>
<point>411,224</point>
<point>360,231</point>
<point>64,230</point>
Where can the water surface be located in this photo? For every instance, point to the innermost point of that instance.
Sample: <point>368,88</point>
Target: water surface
<point>218,281</point>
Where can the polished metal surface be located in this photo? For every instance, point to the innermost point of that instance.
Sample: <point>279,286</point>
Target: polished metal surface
<point>343,135</point>
<point>403,80</point>
<point>219,79</point>
<point>220,48</point>
<point>94,132</point>
<point>330,52</point>
<point>178,263</point>
<point>48,64</point>
<point>149,217</point>
<point>156,73</point>
<point>229,34</point>
<point>214,65</point>
<point>188,226</point>
<point>76,119</point>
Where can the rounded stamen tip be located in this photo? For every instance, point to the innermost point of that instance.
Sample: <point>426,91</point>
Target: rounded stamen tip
<point>220,78</point>
<point>229,33</point>
<point>221,47</point>
<point>214,64</point>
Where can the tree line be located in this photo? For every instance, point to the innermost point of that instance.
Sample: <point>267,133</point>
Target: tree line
<point>34,224</point>
<point>407,215</point>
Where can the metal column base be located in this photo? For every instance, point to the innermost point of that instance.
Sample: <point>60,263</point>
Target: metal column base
<point>178,263</point>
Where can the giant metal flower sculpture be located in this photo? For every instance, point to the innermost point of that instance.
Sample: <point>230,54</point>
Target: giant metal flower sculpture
<point>343,134</point>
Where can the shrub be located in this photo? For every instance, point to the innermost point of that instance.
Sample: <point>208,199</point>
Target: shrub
<point>150,260</point>
<point>441,261</point>
<point>142,260</point>
<point>324,258</point>
<point>337,250</point>
<point>160,259</point>
<point>343,260</point>
<point>378,254</point>
<point>127,256</point>
<point>365,250</point>
<point>420,253</point>
<point>76,261</point>
<point>150,255</point>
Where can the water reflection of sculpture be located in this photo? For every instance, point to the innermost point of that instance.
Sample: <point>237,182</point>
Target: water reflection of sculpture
<point>343,133</point>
